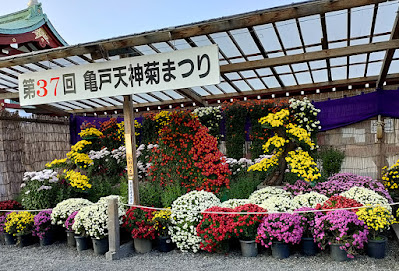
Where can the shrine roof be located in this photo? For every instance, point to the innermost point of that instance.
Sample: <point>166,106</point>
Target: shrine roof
<point>27,20</point>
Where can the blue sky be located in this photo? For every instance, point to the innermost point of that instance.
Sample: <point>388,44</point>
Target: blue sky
<point>80,21</point>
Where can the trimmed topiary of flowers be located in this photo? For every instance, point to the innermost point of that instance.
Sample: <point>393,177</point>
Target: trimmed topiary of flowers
<point>138,221</point>
<point>341,227</point>
<point>215,229</point>
<point>310,199</point>
<point>378,220</point>
<point>210,117</point>
<point>291,143</point>
<point>65,208</point>
<point>19,223</point>
<point>187,154</point>
<point>42,223</point>
<point>259,196</point>
<point>280,227</point>
<point>246,224</point>
<point>366,197</point>
<point>279,204</point>
<point>185,217</point>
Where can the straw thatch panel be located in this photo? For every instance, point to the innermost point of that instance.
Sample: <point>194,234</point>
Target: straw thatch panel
<point>365,155</point>
<point>27,144</point>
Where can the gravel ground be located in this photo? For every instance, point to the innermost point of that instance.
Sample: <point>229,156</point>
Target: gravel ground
<point>60,257</point>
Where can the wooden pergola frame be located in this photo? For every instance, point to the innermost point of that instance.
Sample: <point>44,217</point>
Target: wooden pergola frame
<point>129,45</point>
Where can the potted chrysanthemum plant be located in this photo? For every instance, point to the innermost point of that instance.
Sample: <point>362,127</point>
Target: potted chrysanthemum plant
<point>378,220</point>
<point>278,231</point>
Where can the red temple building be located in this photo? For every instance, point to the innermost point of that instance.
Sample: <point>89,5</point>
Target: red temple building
<point>26,31</point>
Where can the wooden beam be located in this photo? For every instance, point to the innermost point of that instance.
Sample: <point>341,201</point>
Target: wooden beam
<point>389,54</point>
<point>298,25</point>
<point>119,107</point>
<point>318,55</point>
<point>203,28</point>
<point>210,98</point>
<point>192,95</point>
<point>336,83</point>
<point>371,38</point>
<point>131,159</point>
<point>9,95</point>
<point>264,54</point>
<point>324,43</point>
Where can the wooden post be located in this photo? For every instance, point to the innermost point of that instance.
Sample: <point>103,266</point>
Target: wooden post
<point>113,230</point>
<point>133,180</point>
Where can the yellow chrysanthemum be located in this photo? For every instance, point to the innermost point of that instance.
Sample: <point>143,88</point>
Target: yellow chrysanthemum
<point>90,132</point>
<point>77,180</point>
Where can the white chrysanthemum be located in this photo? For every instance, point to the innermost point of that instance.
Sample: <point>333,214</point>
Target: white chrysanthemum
<point>366,197</point>
<point>186,215</point>
<point>259,196</point>
<point>232,203</point>
<point>41,176</point>
<point>92,220</point>
<point>103,153</point>
<point>279,204</point>
<point>65,208</point>
<point>236,166</point>
<point>309,199</point>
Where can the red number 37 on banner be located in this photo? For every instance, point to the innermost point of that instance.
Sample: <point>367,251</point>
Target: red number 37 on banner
<point>42,91</point>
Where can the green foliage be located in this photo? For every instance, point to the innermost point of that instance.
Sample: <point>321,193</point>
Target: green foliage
<point>124,190</point>
<point>331,160</point>
<point>150,194</point>
<point>244,184</point>
<point>149,131</point>
<point>290,177</point>
<point>236,116</point>
<point>102,186</point>
<point>31,198</point>
<point>170,193</point>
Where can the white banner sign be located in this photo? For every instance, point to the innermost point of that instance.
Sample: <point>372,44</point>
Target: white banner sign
<point>173,70</point>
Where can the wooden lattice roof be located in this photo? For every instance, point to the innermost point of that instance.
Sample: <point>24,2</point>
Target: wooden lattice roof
<point>315,46</point>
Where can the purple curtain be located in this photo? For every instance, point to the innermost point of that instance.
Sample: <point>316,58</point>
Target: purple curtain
<point>334,113</point>
<point>345,111</point>
<point>77,121</point>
